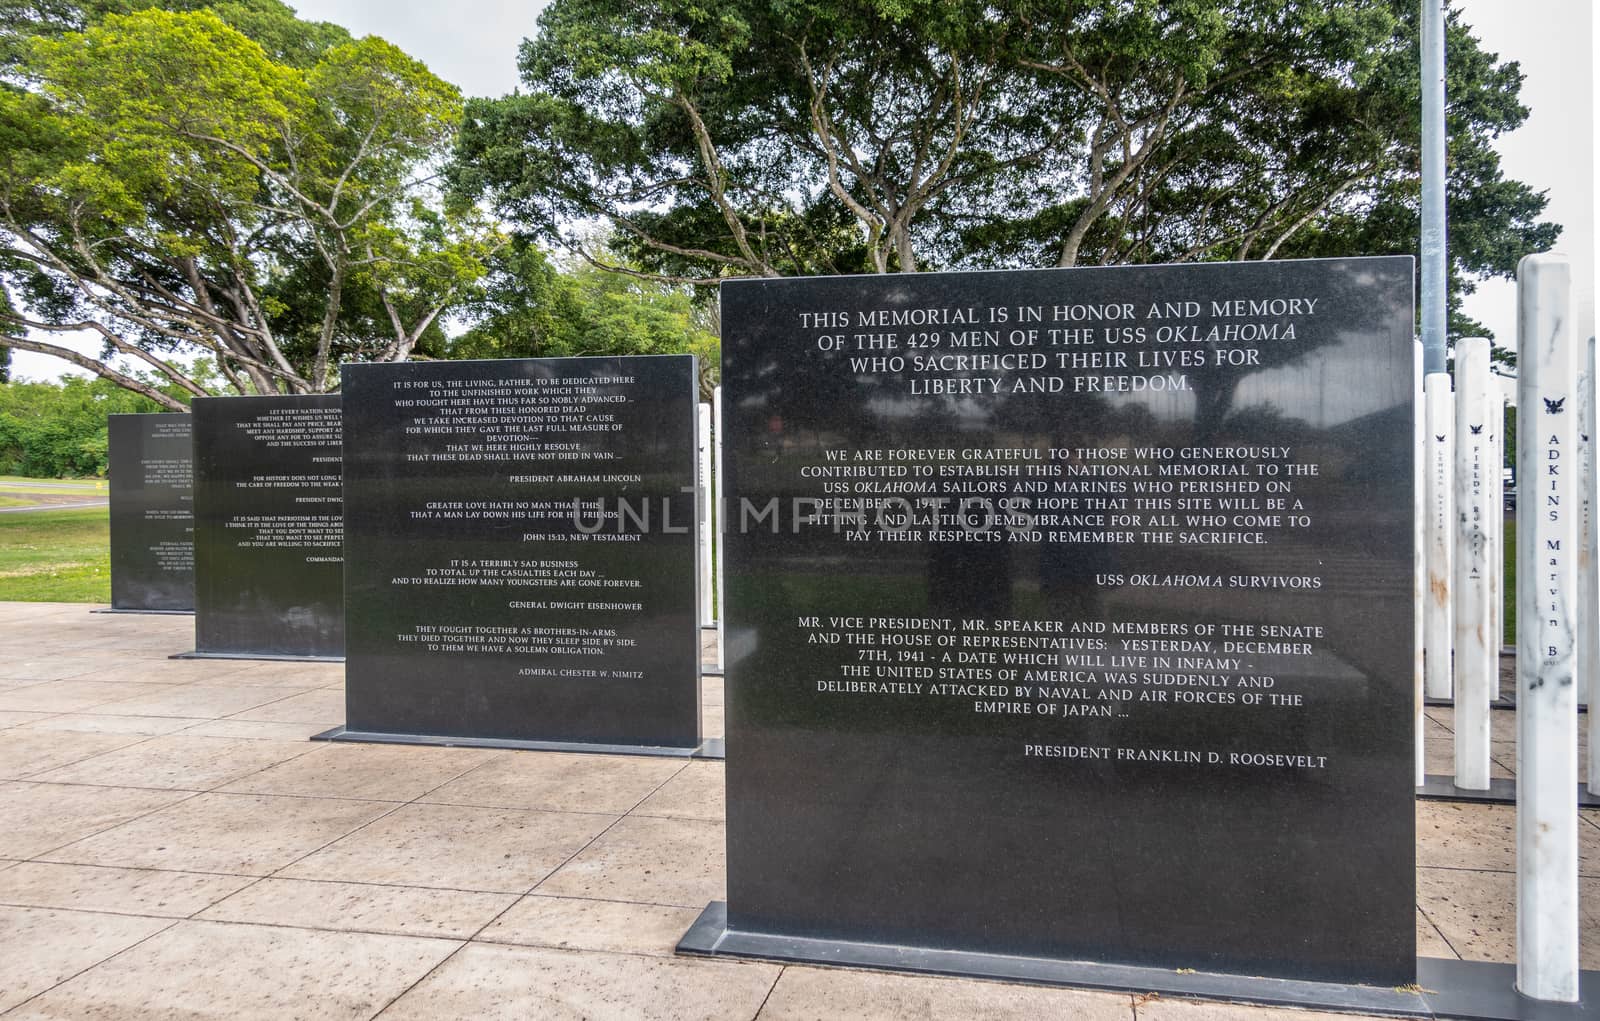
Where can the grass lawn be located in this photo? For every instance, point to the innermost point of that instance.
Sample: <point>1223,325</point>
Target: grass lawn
<point>56,556</point>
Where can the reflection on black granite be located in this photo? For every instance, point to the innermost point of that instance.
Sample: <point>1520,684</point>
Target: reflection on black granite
<point>906,817</point>
<point>152,512</point>
<point>268,564</point>
<point>478,605</point>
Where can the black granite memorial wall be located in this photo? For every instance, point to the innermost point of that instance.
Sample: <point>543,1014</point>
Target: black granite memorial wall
<point>152,512</point>
<point>479,605</point>
<point>1077,613</point>
<point>269,563</point>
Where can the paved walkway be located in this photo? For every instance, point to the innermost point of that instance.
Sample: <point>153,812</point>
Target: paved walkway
<point>70,505</point>
<point>171,845</point>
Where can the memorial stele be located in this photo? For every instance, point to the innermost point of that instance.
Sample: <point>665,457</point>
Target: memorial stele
<point>1070,615</point>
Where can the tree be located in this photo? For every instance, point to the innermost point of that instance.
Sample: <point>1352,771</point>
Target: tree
<point>530,308</point>
<point>812,136</point>
<point>54,430</point>
<point>170,184</point>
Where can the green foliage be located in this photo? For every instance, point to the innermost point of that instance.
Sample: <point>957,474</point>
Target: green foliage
<point>231,178</point>
<point>531,309</point>
<point>58,430</point>
<point>837,136</point>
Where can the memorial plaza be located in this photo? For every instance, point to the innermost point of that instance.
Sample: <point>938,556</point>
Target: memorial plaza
<point>173,845</point>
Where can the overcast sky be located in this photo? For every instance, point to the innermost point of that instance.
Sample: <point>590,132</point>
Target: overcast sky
<point>473,43</point>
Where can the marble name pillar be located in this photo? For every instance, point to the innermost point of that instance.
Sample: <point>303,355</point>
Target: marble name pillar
<point>1470,593</point>
<point>1496,533</point>
<point>1588,608</point>
<point>703,502</point>
<point>1419,553</point>
<point>1441,534</point>
<point>1588,685</point>
<point>1547,718</point>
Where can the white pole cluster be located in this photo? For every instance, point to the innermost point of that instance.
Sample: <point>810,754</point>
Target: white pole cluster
<point>1547,747</point>
<point>1476,657</point>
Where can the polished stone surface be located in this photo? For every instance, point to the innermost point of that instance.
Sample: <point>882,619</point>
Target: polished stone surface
<point>1476,656</point>
<point>246,943</point>
<point>1547,602</point>
<point>151,469</point>
<point>478,605</point>
<point>269,571</point>
<point>1013,722</point>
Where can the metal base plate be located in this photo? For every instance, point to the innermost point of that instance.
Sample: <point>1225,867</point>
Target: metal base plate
<point>1506,702</point>
<point>256,655</point>
<point>1501,792</point>
<point>1445,989</point>
<point>710,748</point>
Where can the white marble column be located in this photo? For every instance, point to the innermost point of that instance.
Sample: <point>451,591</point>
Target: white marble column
<point>719,501</point>
<point>1419,555</point>
<point>1547,720</point>
<point>1588,609</point>
<point>1441,534</point>
<point>1470,592</point>
<point>1497,535</point>
<point>703,497</point>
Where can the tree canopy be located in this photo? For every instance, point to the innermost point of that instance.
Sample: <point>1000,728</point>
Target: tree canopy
<point>774,137</point>
<point>52,430</point>
<point>229,178</point>
<point>530,307</point>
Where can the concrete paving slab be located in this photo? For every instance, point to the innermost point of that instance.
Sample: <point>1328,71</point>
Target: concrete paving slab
<point>26,753</point>
<point>325,708</point>
<point>492,850</point>
<point>42,948</point>
<point>16,718</point>
<point>361,907</point>
<point>53,668</point>
<point>711,722</point>
<point>294,675</point>
<point>810,994</point>
<point>648,861</point>
<point>227,972</point>
<point>610,784</point>
<point>1157,1008</point>
<point>1477,913</point>
<point>578,924</point>
<point>369,772</point>
<point>594,865</point>
<point>165,671</point>
<point>238,834</point>
<point>68,696</point>
<point>249,730</point>
<point>205,700</point>
<point>1430,941</point>
<point>1483,836</point>
<point>513,983</point>
<point>177,762</point>
<point>114,890</point>
<point>86,723</point>
<point>698,791</point>
<point>42,816</point>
